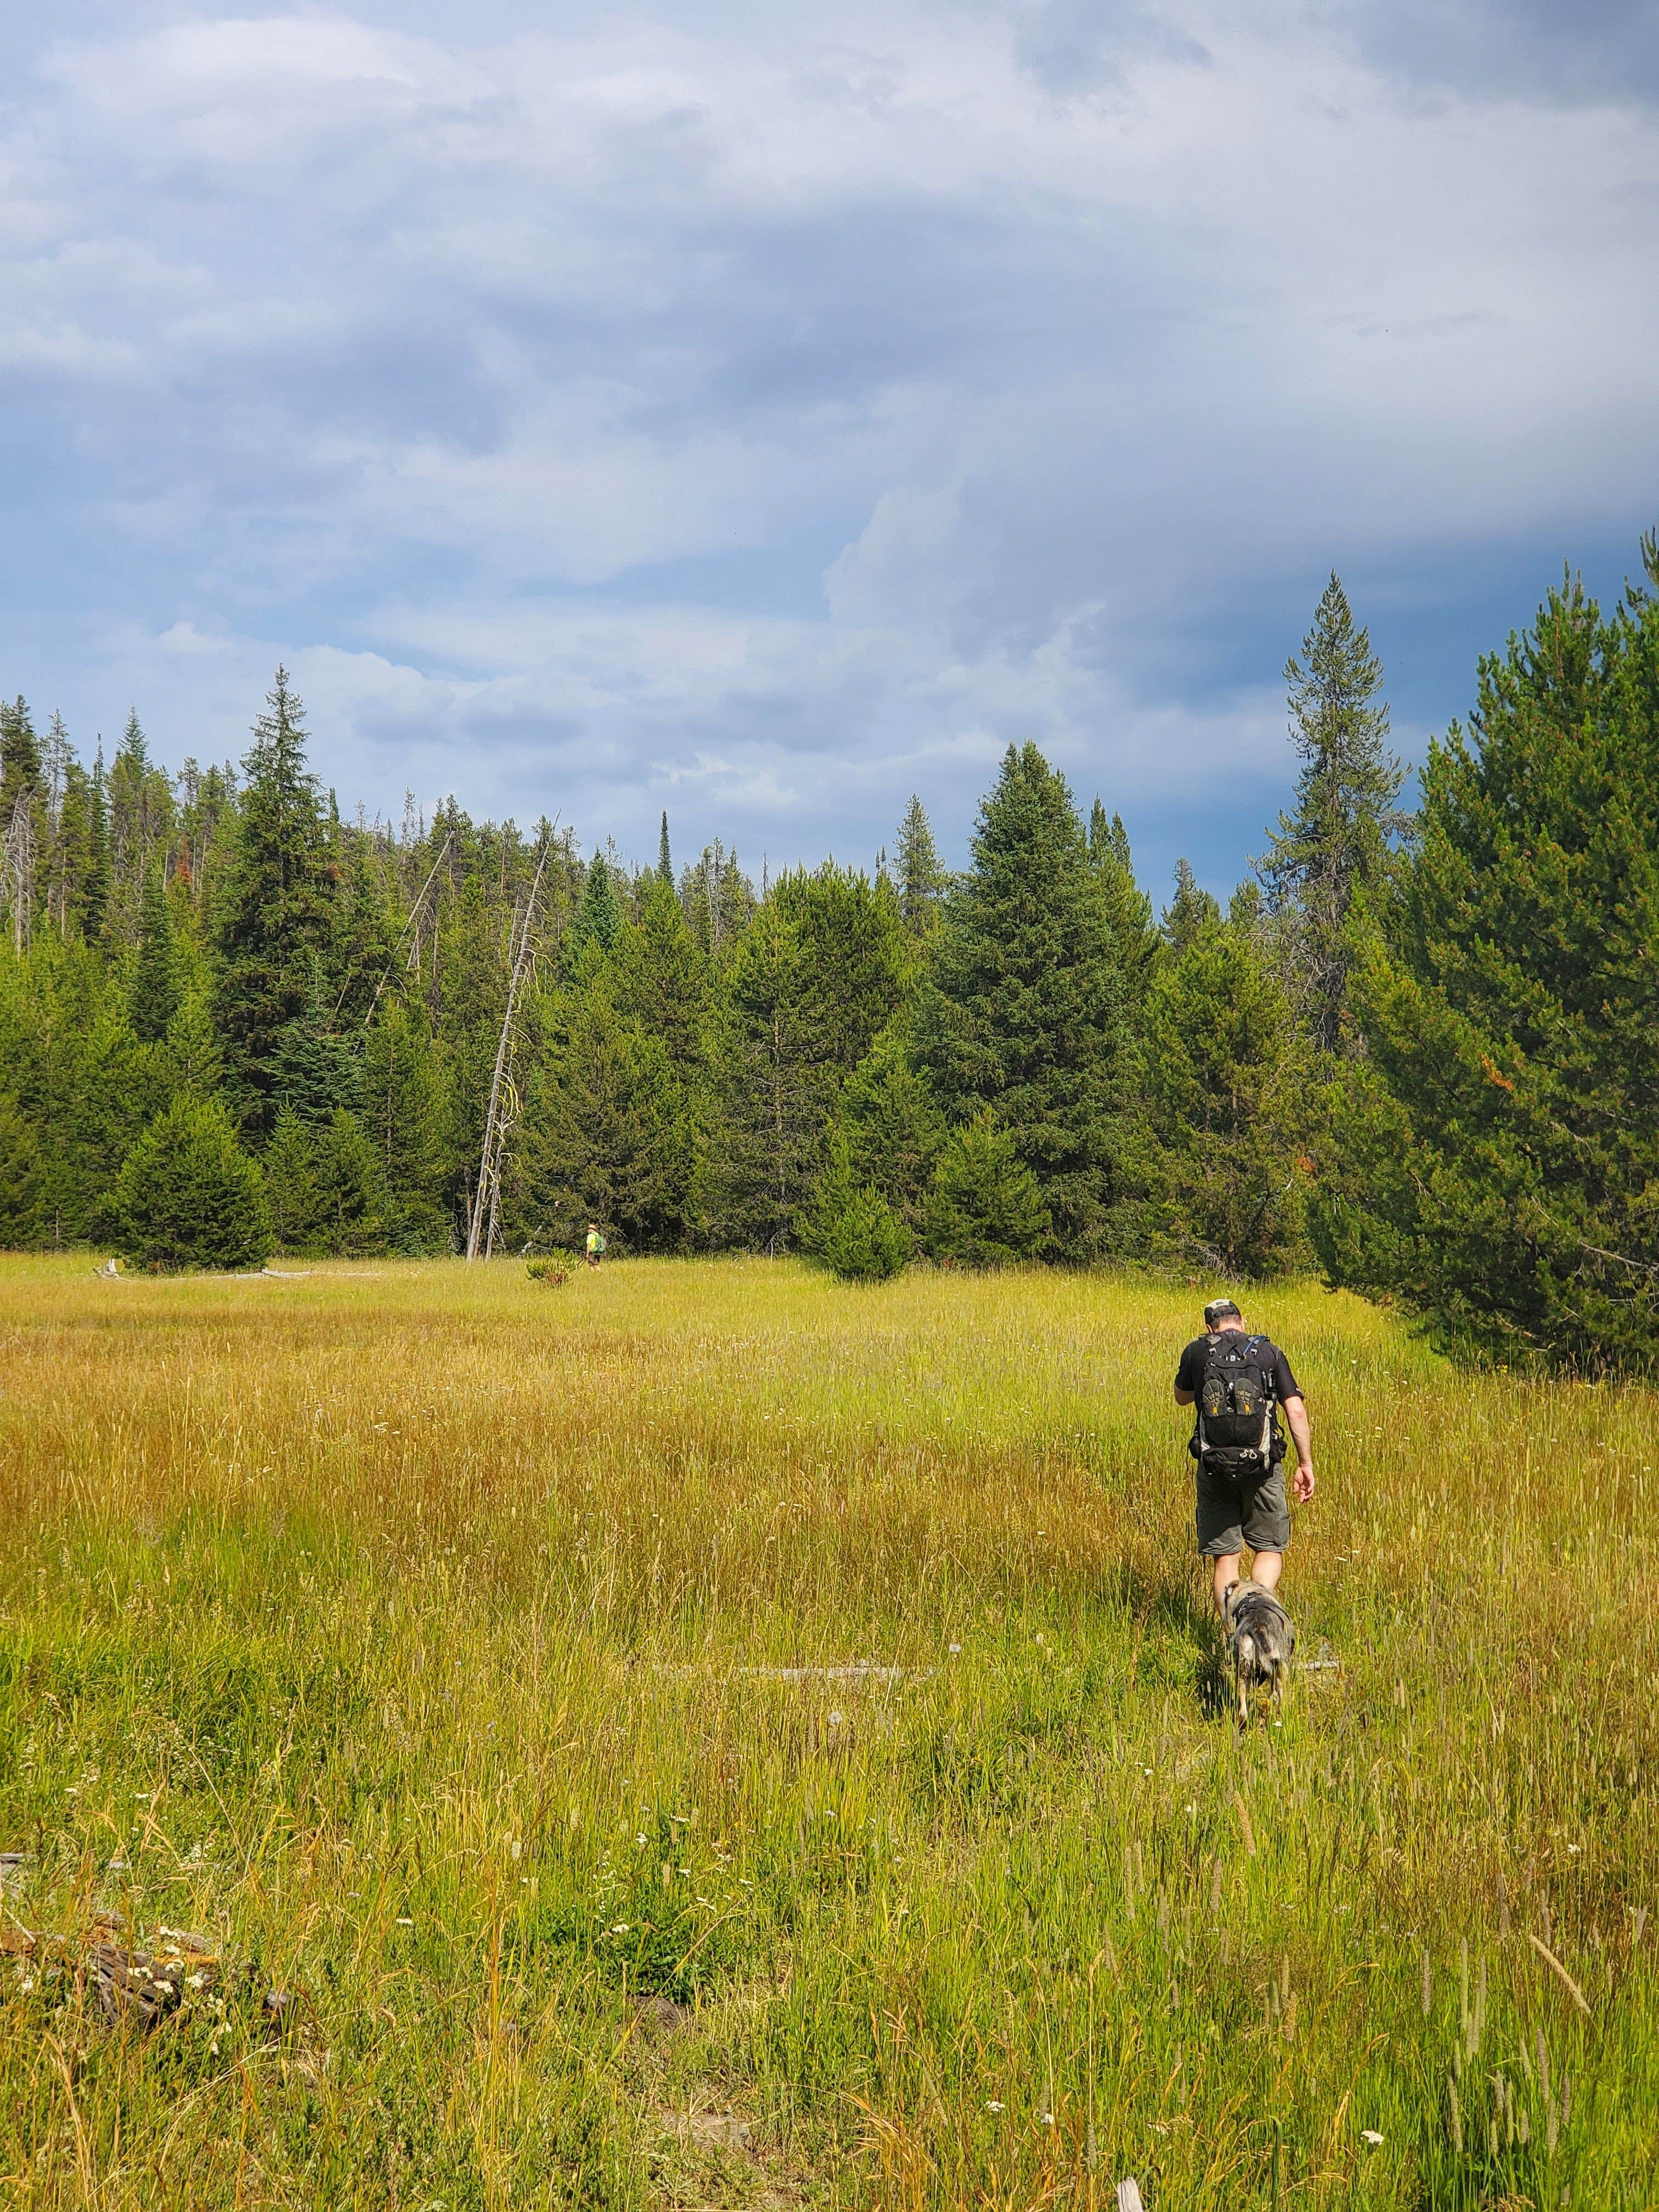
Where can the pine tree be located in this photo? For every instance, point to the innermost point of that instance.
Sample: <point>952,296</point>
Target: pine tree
<point>921,881</point>
<point>985,1209</point>
<point>1493,1164</point>
<point>599,918</point>
<point>140,810</point>
<point>292,1192</point>
<point>816,977</point>
<point>1025,1011</point>
<point>1336,846</point>
<point>316,1067</point>
<point>189,1196</point>
<point>665,859</point>
<point>659,977</point>
<point>94,883</point>
<point>351,1209</point>
<point>20,1189</point>
<point>407,1110</point>
<point>1192,913</point>
<point>364,953</point>
<point>1224,1091</point>
<point>1129,909</point>
<point>274,919</point>
<point>850,1229</point>
<point>154,997</point>
<point>608,1137</point>
<point>719,901</point>
<point>889,1126</point>
<point>195,1062</point>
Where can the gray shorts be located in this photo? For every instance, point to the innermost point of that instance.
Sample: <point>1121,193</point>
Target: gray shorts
<point>1232,1515</point>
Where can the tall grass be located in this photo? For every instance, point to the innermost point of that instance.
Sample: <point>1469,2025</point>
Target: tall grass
<point>434,1640</point>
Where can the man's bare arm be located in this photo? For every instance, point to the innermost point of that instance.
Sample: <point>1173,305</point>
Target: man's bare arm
<point>1296,1412</point>
<point>1184,1397</point>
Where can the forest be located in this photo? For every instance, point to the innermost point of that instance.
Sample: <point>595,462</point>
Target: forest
<point>1412,1053</point>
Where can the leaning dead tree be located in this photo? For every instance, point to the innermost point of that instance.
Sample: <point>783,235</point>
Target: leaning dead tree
<point>505,1107</point>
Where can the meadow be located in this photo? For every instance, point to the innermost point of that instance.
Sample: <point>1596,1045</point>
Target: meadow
<point>705,1736</point>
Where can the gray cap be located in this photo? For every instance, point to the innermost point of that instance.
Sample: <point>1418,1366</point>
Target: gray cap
<point>1220,1310</point>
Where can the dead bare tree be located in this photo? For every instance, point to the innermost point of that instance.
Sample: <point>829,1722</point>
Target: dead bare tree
<point>505,1105</point>
<point>20,867</point>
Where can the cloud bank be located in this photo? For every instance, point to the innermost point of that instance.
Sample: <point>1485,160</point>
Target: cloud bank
<point>610,409</point>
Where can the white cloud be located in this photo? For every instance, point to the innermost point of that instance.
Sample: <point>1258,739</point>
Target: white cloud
<point>772,412</point>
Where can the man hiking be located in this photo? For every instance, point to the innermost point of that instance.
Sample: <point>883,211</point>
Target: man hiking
<point>1238,1382</point>
<point>595,1244</point>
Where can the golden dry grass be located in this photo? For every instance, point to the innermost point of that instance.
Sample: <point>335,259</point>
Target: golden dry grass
<point>431,1638</point>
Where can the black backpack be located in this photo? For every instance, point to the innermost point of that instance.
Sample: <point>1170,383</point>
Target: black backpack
<point>1237,1435</point>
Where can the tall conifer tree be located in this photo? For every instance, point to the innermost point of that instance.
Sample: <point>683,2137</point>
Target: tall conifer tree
<point>274,919</point>
<point>153,999</point>
<point>1336,846</point>
<point>1026,1013</point>
<point>1498,1150</point>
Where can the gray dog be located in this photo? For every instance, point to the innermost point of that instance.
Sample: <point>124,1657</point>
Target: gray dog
<point>1259,1639</point>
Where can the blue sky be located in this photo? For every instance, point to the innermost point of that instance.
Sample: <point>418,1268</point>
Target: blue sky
<point>763,413</point>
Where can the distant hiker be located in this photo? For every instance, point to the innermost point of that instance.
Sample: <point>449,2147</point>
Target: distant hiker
<point>1238,1382</point>
<point>595,1243</point>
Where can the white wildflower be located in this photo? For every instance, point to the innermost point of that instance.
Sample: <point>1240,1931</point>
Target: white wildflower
<point>1370,2135</point>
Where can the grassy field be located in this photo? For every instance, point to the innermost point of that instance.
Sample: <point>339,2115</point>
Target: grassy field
<point>469,1660</point>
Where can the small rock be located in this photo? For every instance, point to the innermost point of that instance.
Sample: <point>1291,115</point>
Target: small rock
<point>661,2016</point>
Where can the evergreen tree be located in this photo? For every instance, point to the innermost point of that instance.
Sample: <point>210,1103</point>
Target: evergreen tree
<point>719,901</point>
<point>608,1137</point>
<point>1336,846</point>
<point>153,999</point>
<point>189,1196</point>
<point>985,1209</point>
<point>20,1190</point>
<point>599,918</point>
<point>921,881</point>
<point>365,951</point>
<point>20,756</point>
<point>813,980</point>
<point>274,920</point>
<point>1224,1093</point>
<point>1129,909</point>
<point>1025,1011</point>
<point>665,859</point>
<point>658,977</point>
<point>95,885</point>
<point>1493,1163</point>
<point>889,1127</point>
<point>140,799</point>
<point>851,1229</point>
<point>351,1209</point>
<point>195,1063</point>
<point>292,1192</point>
<point>316,1067</point>
<point>406,1109</point>
<point>1192,913</point>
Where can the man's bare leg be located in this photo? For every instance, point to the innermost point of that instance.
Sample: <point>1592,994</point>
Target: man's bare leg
<point>1264,1569</point>
<point>1226,1574</point>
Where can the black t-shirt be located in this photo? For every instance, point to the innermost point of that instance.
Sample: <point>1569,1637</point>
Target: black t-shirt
<point>1189,1376</point>
<point>1193,1360</point>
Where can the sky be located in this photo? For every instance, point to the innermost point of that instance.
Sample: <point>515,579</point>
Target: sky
<point>764,414</point>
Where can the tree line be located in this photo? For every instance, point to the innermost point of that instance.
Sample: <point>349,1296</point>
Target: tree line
<point>1410,1050</point>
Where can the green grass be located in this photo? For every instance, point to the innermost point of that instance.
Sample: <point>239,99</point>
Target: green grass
<point>419,1633</point>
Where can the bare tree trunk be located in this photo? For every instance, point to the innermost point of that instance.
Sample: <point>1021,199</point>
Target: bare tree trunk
<point>503,1092</point>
